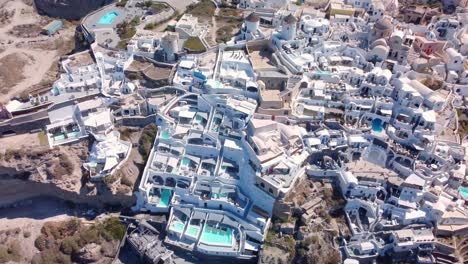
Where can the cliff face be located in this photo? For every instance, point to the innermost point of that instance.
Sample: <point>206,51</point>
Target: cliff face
<point>68,9</point>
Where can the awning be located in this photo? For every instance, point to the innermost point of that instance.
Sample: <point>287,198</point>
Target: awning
<point>229,163</point>
<point>186,114</point>
<point>160,159</point>
<point>203,188</point>
<point>194,135</point>
<point>111,162</point>
<point>229,222</point>
<point>215,217</point>
<point>172,162</point>
<point>193,158</point>
<point>197,215</point>
<point>185,211</point>
<point>164,145</point>
<point>181,130</point>
<point>209,161</point>
<point>203,115</point>
<point>178,149</point>
<point>228,190</point>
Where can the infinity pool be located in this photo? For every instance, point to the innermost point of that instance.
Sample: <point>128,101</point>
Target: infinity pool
<point>108,18</point>
<point>212,236</point>
<point>165,198</point>
<point>464,191</point>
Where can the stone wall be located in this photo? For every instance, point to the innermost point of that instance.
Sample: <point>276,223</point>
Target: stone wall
<point>14,190</point>
<point>136,121</point>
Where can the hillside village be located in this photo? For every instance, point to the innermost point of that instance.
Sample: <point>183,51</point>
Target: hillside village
<point>248,131</point>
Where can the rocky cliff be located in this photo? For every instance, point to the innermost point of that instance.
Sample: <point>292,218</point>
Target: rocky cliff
<point>68,9</point>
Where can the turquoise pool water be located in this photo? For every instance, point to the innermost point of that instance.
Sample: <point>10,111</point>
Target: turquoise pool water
<point>59,137</point>
<point>185,162</point>
<point>108,18</point>
<point>193,231</point>
<point>464,191</point>
<point>216,237</point>
<point>377,125</point>
<point>72,134</point>
<point>165,197</point>
<point>177,226</point>
<point>198,118</point>
<point>165,135</point>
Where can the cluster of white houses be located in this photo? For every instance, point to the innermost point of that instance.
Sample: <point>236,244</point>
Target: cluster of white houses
<point>346,92</point>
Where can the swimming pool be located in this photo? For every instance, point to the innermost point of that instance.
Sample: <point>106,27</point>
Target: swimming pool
<point>377,125</point>
<point>165,197</point>
<point>165,135</point>
<point>212,236</point>
<point>177,226</point>
<point>464,191</point>
<point>108,18</point>
<point>185,162</point>
<point>192,231</point>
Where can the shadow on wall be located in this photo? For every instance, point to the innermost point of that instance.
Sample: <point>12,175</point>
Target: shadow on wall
<point>68,9</point>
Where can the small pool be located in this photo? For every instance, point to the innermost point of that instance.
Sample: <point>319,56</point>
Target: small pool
<point>165,197</point>
<point>198,118</point>
<point>185,162</point>
<point>73,134</point>
<point>377,125</point>
<point>108,18</point>
<point>212,236</point>
<point>165,135</point>
<point>177,226</point>
<point>193,231</point>
<point>464,191</point>
<point>59,137</point>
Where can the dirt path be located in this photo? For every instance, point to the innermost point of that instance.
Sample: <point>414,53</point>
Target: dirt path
<point>42,51</point>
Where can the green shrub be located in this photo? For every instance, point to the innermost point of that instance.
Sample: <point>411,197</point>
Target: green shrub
<point>66,163</point>
<point>40,242</point>
<point>26,234</point>
<point>69,246</point>
<point>204,8</point>
<point>301,252</point>
<point>115,228</point>
<point>194,44</point>
<point>150,26</point>
<point>146,140</point>
<point>89,235</point>
<point>126,181</point>
<point>55,256</point>
<point>291,247</point>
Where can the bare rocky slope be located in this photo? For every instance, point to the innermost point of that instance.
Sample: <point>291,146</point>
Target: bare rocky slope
<point>68,9</point>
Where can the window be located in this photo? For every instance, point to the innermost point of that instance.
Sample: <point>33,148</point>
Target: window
<point>262,184</point>
<point>270,190</point>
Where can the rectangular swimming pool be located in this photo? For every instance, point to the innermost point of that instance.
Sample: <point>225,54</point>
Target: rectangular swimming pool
<point>165,197</point>
<point>193,231</point>
<point>177,226</point>
<point>108,18</point>
<point>216,237</point>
